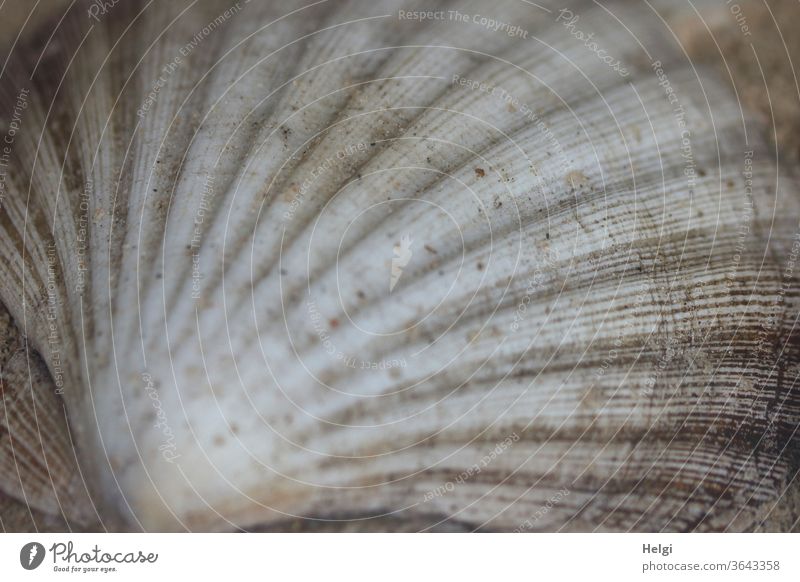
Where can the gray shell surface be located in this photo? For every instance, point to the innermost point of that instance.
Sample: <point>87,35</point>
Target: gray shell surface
<point>505,266</point>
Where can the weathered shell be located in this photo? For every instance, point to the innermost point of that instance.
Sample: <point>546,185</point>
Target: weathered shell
<point>41,487</point>
<point>332,262</point>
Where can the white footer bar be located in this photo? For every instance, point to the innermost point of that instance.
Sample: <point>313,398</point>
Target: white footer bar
<point>401,557</point>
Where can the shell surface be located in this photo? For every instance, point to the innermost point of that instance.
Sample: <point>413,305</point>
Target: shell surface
<point>513,268</point>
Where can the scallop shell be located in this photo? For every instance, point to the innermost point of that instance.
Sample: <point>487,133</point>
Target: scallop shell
<point>340,263</point>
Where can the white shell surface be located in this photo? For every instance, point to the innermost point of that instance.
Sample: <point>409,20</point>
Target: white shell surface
<point>335,261</point>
